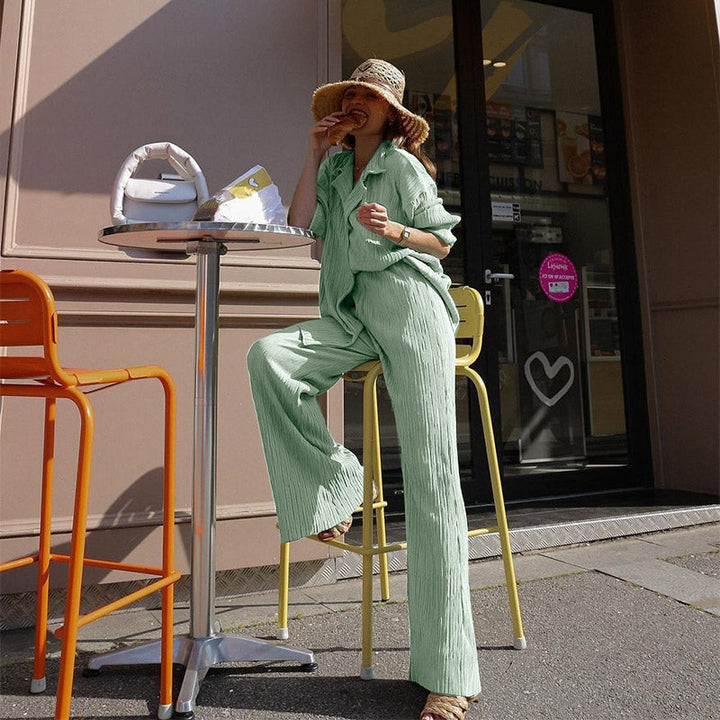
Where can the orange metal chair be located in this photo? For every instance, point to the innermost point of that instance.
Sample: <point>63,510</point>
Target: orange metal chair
<point>469,343</point>
<point>28,322</point>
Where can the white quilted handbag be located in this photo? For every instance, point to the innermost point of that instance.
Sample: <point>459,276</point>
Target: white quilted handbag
<point>137,200</point>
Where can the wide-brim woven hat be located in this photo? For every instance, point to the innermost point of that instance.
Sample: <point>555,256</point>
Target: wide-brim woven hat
<point>384,79</point>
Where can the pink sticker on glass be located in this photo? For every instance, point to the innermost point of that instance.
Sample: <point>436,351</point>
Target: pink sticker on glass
<point>558,277</point>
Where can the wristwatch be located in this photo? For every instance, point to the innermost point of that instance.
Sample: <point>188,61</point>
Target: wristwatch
<point>404,235</point>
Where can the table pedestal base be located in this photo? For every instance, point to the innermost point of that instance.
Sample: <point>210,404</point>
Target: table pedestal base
<point>198,655</point>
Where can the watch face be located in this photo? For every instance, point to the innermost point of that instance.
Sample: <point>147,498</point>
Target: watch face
<point>405,233</point>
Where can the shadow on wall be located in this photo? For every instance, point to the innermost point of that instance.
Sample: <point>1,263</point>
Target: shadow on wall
<point>121,534</point>
<point>208,76</point>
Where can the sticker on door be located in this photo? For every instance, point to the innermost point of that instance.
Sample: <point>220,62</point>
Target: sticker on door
<point>558,277</point>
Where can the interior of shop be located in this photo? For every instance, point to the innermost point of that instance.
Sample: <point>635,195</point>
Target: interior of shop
<point>559,363</point>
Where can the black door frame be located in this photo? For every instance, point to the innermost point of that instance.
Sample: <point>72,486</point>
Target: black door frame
<point>467,23</point>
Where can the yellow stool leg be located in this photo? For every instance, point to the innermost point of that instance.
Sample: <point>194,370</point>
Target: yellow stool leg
<point>383,559</point>
<point>366,670</point>
<point>499,502</point>
<point>370,414</point>
<point>283,591</point>
<point>376,476</point>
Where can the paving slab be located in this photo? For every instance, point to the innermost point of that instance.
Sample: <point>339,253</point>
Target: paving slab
<point>250,610</point>
<point>534,566</point>
<point>604,555</point>
<point>105,634</point>
<point>704,538</point>
<point>637,561</point>
<point>599,648</point>
<point>17,646</point>
<point>704,563</point>
<point>676,582</point>
<point>347,594</point>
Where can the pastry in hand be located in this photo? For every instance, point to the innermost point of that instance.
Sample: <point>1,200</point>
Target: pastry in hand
<point>346,125</point>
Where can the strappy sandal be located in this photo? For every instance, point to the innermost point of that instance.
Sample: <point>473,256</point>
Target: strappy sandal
<point>341,528</point>
<point>335,532</point>
<point>447,707</point>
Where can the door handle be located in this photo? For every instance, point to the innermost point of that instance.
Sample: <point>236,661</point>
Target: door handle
<point>490,276</point>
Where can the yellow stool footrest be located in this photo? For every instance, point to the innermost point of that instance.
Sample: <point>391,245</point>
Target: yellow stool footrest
<point>358,549</point>
<point>484,531</point>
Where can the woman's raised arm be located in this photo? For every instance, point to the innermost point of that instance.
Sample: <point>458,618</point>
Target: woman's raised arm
<point>305,198</point>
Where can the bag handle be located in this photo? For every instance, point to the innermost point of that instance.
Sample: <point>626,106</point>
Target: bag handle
<point>184,164</point>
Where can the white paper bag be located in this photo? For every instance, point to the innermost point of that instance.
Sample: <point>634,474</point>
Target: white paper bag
<point>252,197</point>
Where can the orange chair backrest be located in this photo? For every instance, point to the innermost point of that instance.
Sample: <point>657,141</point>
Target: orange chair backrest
<point>469,304</point>
<point>28,320</point>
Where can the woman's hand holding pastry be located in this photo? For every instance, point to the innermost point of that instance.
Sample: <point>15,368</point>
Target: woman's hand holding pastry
<point>319,142</point>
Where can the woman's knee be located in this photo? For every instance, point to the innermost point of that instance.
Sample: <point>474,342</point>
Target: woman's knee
<point>262,354</point>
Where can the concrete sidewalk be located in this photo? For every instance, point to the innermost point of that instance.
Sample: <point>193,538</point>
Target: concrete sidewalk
<point>626,628</point>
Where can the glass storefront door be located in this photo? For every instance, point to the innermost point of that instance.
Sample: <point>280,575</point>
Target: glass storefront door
<point>548,267</point>
<point>559,359</point>
<point>527,141</point>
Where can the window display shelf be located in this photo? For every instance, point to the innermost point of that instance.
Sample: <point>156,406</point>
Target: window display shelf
<point>602,353</point>
<point>602,336</point>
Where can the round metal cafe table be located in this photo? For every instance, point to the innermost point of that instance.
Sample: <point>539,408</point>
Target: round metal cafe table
<point>205,645</point>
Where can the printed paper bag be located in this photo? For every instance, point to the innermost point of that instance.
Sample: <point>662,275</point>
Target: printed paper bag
<point>250,198</point>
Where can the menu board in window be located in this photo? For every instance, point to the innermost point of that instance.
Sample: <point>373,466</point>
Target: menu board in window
<point>514,134</point>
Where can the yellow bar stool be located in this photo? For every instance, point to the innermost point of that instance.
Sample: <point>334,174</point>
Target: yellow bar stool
<point>469,337</point>
<point>28,320</point>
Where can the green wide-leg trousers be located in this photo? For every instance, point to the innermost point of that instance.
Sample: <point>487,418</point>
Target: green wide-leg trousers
<point>317,483</point>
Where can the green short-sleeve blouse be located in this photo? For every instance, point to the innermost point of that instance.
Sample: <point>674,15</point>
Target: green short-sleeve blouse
<point>397,180</point>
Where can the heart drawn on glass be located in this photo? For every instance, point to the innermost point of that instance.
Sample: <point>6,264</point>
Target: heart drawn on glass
<point>551,371</point>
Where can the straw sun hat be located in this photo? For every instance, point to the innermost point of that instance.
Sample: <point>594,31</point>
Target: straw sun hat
<point>384,79</point>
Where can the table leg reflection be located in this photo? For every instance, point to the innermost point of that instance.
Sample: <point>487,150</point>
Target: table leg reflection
<point>205,645</point>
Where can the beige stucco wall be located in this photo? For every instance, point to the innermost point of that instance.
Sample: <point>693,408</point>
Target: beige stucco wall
<point>81,85</point>
<point>670,77</point>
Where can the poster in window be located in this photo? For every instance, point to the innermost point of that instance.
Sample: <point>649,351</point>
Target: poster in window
<point>581,149</point>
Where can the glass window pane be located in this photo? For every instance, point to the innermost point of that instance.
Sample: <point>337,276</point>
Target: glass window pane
<point>557,321</point>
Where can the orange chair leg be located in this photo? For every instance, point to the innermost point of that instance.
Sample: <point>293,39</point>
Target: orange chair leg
<point>165,709</point>
<point>166,654</point>
<point>37,684</point>
<point>77,553</point>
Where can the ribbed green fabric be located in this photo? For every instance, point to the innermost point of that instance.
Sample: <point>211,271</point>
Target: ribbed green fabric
<point>317,483</point>
<point>391,305</point>
<point>398,181</point>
